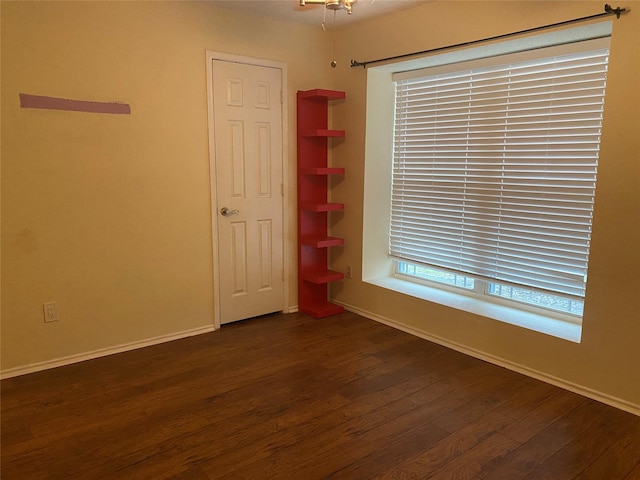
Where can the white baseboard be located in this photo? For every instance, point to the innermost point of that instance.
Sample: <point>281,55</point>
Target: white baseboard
<point>103,352</point>
<point>558,382</point>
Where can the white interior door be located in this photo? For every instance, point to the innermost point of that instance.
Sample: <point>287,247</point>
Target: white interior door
<point>247,114</point>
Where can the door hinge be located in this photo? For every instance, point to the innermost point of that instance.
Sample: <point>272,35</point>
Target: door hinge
<point>281,97</point>
<point>282,189</point>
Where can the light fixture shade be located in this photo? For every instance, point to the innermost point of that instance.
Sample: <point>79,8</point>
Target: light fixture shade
<point>340,5</point>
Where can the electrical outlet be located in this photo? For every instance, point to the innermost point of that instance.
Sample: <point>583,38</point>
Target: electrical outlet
<point>347,271</point>
<point>50,312</point>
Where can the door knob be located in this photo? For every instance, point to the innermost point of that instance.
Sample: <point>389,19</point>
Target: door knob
<point>227,213</point>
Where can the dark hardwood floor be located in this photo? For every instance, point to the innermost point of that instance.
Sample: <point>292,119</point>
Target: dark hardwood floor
<point>290,397</point>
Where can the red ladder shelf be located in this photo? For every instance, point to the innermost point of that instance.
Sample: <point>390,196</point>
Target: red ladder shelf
<point>313,207</point>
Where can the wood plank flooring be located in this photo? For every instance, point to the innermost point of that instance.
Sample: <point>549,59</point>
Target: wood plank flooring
<point>291,397</point>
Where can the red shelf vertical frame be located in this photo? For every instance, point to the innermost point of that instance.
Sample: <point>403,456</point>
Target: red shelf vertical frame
<point>313,207</point>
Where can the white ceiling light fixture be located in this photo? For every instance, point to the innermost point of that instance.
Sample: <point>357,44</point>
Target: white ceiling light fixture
<point>331,4</point>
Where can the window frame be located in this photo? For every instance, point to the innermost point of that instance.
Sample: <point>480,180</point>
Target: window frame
<point>378,267</point>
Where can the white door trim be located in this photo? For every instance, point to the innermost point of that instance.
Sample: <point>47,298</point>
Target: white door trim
<point>261,62</point>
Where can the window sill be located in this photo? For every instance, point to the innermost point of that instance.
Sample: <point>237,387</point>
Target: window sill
<point>556,327</point>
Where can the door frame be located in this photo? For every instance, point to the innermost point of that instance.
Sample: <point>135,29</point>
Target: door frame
<point>259,62</point>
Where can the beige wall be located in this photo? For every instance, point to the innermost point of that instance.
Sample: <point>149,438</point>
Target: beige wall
<point>607,361</point>
<point>109,215</point>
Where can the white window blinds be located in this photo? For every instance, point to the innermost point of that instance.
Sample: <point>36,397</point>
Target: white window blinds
<point>494,169</point>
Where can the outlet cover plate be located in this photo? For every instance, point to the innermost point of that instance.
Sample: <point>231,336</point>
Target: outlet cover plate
<point>51,312</point>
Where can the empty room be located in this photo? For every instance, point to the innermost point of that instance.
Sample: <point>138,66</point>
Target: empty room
<point>307,239</point>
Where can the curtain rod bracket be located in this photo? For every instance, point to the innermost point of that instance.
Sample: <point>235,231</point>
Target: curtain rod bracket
<point>608,10</point>
<point>617,11</point>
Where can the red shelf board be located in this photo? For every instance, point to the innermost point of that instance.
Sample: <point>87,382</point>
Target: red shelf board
<point>322,242</point>
<point>323,310</point>
<point>321,276</point>
<point>323,132</point>
<point>322,207</point>
<point>323,171</point>
<point>322,93</point>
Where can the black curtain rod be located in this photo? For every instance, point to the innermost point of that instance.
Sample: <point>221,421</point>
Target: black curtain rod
<point>608,10</point>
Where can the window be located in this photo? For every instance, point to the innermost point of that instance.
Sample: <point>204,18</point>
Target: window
<point>494,172</point>
<point>492,182</point>
<point>519,294</point>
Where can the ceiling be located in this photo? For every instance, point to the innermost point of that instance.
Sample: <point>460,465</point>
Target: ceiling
<point>291,11</point>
